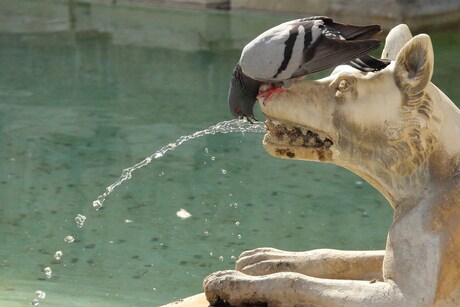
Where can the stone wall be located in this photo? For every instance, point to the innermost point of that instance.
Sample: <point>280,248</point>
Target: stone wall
<point>128,22</point>
<point>418,14</point>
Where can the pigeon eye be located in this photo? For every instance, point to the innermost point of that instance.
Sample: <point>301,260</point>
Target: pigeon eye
<point>238,110</point>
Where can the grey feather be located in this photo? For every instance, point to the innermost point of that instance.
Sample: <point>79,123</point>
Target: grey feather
<point>242,94</point>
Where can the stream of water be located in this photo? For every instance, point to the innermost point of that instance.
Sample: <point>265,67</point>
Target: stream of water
<point>88,89</point>
<point>224,127</point>
<point>230,126</point>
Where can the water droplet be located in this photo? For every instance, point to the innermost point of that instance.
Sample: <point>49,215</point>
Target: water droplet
<point>221,258</point>
<point>58,255</point>
<point>80,220</point>
<point>224,172</point>
<point>40,294</point>
<point>69,239</point>
<point>237,224</point>
<point>48,272</point>
<point>34,302</point>
<point>97,204</point>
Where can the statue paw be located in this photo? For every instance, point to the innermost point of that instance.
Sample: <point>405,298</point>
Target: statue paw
<point>230,288</point>
<point>263,261</point>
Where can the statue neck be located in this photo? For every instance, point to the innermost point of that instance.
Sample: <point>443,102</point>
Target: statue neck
<point>439,169</point>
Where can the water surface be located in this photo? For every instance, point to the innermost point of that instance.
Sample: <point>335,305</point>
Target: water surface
<point>88,90</point>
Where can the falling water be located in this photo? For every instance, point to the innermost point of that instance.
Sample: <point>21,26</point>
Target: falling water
<point>229,126</point>
<point>223,127</point>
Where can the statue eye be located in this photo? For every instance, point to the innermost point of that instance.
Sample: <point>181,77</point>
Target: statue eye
<point>238,110</point>
<point>344,86</point>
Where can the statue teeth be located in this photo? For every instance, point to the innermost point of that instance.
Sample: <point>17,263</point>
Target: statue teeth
<point>288,133</point>
<point>289,126</point>
<point>304,130</point>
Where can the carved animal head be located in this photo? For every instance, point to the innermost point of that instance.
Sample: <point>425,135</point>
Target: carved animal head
<point>381,125</point>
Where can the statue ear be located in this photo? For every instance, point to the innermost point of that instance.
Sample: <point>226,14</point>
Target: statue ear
<point>414,65</point>
<point>395,41</point>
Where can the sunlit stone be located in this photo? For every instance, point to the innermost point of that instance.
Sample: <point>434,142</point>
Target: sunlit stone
<point>183,214</point>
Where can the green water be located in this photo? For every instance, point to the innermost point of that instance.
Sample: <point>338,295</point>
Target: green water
<point>88,90</point>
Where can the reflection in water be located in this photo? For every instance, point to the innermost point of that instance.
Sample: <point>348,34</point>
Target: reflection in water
<point>86,90</point>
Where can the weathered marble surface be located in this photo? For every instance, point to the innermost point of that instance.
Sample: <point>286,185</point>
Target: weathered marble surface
<point>399,132</point>
<point>198,300</point>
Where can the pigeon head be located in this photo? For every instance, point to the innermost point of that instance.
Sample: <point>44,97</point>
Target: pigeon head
<point>242,94</point>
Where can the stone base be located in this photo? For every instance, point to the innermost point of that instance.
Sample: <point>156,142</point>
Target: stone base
<point>198,300</point>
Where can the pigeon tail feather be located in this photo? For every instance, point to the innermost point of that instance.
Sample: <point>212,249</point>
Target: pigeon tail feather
<point>368,63</point>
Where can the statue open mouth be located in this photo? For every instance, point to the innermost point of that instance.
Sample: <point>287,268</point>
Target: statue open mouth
<point>285,134</point>
<point>292,141</point>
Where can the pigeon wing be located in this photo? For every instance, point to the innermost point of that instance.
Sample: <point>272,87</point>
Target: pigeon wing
<point>352,32</point>
<point>275,55</point>
<point>328,53</point>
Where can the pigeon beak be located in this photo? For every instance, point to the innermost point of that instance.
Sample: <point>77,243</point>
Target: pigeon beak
<point>250,118</point>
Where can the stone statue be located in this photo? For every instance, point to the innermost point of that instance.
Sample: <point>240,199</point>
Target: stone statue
<point>399,132</point>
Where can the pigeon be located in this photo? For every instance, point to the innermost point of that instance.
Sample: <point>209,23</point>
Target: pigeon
<point>293,49</point>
